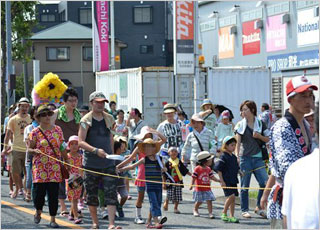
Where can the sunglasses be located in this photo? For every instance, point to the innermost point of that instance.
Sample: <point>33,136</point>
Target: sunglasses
<point>46,114</point>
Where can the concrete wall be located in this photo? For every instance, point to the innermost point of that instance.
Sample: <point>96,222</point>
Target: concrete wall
<point>210,40</point>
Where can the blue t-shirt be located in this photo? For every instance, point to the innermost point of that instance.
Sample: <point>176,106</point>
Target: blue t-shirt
<point>228,165</point>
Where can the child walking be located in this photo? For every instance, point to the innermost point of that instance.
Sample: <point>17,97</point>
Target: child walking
<point>153,172</point>
<point>201,177</point>
<point>74,194</point>
<point>224,128</point>
<point>176,169</point>
<point>227,168</point>
<point>146,132</point>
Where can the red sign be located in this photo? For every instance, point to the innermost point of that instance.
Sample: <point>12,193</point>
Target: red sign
<point>250,38</point>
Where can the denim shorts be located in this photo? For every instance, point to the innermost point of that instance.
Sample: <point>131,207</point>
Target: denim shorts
<point>141,189</point>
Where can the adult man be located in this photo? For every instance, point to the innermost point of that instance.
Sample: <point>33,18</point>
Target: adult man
<point>300,206</point>
<point>266,115</point>
<point>290,140</point>
<point>170,128</point>
<point>68,118</point>
<point>96,139</point>
<point>113,109</point>
<point>15,130</point>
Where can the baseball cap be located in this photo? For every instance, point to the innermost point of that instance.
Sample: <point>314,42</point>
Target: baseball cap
<point>98,96</point>
<point>298,85</point>
<point>225,114</point>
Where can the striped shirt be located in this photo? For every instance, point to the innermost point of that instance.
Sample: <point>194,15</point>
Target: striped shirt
<point>191,145</point>
<point>153,173</point>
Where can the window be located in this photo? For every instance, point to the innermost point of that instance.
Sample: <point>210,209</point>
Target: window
<point>87,53</point>
<point>142,14</point>
<point>63,16</point>
<point>85,16</point>
<point>58,54</point>
<point>144,49</point>
<point>48,18</point>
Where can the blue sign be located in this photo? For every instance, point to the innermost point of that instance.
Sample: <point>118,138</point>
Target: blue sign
<point>298,59</point>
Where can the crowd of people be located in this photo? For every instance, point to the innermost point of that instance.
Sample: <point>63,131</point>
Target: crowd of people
<point>104,148</point>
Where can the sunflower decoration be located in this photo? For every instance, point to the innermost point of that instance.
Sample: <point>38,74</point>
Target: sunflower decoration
<point>50,87</point>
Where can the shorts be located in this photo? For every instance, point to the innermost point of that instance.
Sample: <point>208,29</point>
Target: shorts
<point>141,189</point>
<point>62,190</point>
<point>123,192</point>
<point>229,192</point>
<point>18,162</point>
<point>201,196</point>
<point>174,193</point>
<point>91,184</point>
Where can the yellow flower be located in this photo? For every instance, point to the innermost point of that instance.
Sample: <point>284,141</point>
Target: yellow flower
<point>50,86</point>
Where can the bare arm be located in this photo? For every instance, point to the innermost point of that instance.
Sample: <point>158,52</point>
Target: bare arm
<point>192,182</point>
<point>128,123</point>
<point>238,138</point>
<point>7,137</point>
<point>261,137</point>
<point>223,184</point>
<point>129,167</point>
<point>205,113</point>
<point>264,198</point>
<point>285,222</point>
<point>129,159</point>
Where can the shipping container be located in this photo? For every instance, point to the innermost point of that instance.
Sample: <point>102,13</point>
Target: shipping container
<point>230,86</point>
<point>148,89</point>
<point>312,74</point>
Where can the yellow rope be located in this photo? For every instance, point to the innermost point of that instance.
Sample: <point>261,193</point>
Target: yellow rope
<point>158,182</point>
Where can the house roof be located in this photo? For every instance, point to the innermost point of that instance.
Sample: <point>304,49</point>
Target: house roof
<point>66,30</point>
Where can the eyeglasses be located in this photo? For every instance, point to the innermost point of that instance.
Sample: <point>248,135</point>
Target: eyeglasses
<point>46,114</point>
<point>73,100</point>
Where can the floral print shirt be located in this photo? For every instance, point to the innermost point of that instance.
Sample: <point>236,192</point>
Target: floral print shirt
<point>44,168</point>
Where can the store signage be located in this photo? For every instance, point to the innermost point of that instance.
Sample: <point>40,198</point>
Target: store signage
<point>276,34</point>
<point>307,28</point>
<point>250,38</point>
<point>226,43</point>
<point>291,60</point>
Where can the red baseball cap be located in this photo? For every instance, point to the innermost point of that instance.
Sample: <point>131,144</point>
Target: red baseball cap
<point>298,85</point>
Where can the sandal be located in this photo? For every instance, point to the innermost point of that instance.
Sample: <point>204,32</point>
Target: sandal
<point>211,216</point>
<point>246,215</point>
<point>233,220</point>
<point>260,213</point>
<point>95,226</point>
<point>114,227</point>
<point>14,195</point>
<point>78,221</point>
<point>162,219</point>
<point>28,197</point>
<point>64,214</point>
<point>37,218</point>
<point>196,214</point>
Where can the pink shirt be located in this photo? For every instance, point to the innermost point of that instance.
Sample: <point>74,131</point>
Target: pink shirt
<point>141,172</point>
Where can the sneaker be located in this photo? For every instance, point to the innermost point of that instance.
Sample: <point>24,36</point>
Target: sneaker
<point>120,212</point>
<point>211,216</point>
<point>104,214</point>
<point>196,214</point>
<point>224,217</point>
<point>139,220</point>
<point>233,220</point>
<point>70,217</point>
<point>80,206</point>
<point>246,215</point>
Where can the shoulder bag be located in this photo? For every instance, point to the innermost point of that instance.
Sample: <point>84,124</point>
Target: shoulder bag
<point>64,171</point>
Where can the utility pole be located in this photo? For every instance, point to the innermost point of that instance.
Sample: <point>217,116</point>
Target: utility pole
<point>196,59</point>
<point>112,35</point>
<point>25,73</point>
<point>10,92</point>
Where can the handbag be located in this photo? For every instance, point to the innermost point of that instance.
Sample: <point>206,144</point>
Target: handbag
<point>64,171</point>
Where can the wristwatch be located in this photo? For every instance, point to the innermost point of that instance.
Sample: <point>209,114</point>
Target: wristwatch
<point>95,151</point>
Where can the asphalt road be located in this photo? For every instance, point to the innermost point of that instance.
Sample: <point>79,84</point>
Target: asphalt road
<point>17,214</point>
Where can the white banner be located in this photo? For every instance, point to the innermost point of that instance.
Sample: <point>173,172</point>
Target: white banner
<point>307,28</point>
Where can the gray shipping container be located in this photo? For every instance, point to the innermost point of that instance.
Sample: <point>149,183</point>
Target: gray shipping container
<point>148,89</point>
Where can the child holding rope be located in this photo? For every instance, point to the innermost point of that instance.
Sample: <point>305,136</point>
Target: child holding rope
<point>153,172</point>
<point>227,168</point>
<point>201,177</point>
<point>73,187</point>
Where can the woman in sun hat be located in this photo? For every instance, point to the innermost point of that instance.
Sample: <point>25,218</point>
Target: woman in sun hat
<point>208,115</point>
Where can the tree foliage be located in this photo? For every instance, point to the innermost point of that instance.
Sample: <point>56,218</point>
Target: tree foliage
<point>23,20</point>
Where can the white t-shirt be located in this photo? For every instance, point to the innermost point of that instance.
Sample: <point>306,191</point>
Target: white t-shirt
<point>172,132</point>
<point>301,193</point>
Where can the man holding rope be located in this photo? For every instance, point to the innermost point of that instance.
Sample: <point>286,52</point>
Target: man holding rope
<point>96,139</point>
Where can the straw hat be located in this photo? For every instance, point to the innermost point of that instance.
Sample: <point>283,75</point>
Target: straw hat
<point>149,141</point>
<point>169,108</point>
<point>207,102</point>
